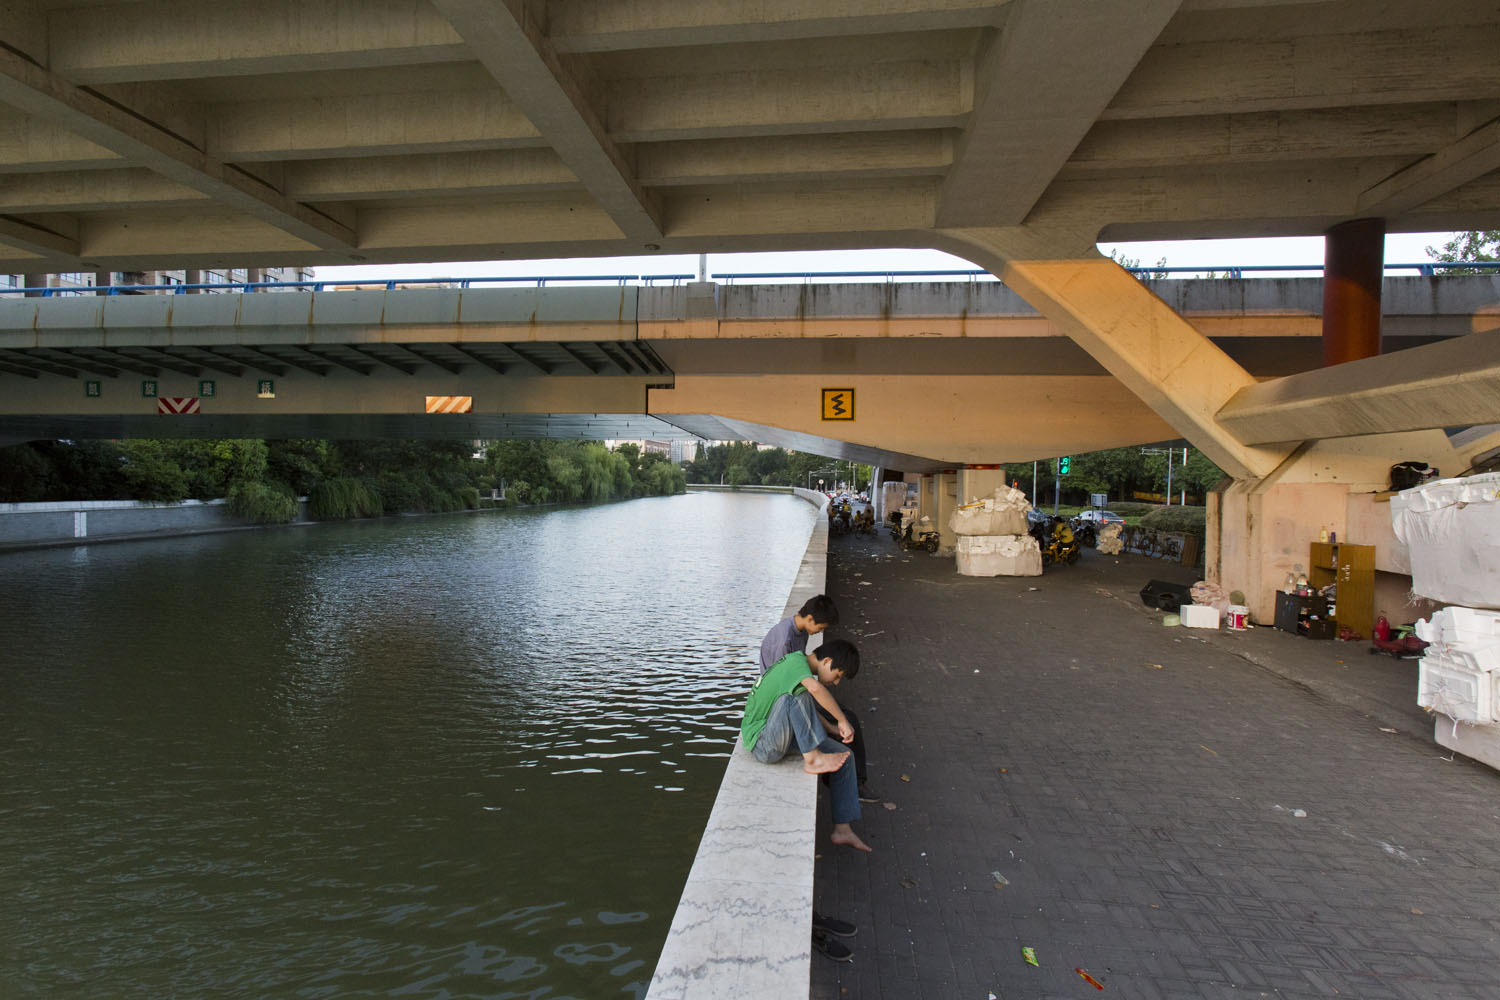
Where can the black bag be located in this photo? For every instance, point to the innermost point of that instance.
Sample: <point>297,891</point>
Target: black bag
<point>1166,596</point>
<point>1405,475</point>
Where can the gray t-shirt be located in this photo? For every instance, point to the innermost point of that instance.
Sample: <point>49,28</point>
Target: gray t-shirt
<point>783,639</point>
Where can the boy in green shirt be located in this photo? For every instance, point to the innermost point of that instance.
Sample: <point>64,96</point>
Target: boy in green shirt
<point>780,716</point>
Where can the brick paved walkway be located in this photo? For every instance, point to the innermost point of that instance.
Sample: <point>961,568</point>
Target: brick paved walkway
<point>1143,817</point>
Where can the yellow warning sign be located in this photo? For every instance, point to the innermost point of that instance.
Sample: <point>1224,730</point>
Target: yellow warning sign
<point>838,404</point>
<point>450,404</point>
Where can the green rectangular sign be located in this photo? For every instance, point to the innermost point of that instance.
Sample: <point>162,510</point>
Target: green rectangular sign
<point>92,389</point>
<point>148,388</point>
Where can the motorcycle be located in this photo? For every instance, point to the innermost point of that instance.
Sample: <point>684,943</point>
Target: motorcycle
<point>1085,532</point>
<point>913,537</point>
<point>1057,541</point>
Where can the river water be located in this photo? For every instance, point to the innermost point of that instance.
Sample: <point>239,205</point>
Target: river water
<point>463,756</point>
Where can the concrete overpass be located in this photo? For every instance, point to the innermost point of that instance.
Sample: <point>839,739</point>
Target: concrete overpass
<point>151,134</point>
<point>939,374</point>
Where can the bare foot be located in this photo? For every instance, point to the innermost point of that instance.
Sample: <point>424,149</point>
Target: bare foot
<point>819,762</point>
<point>846,837</point>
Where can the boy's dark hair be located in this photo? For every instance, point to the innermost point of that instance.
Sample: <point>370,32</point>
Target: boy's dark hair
<point>821,609</point>
<point>841,655</point>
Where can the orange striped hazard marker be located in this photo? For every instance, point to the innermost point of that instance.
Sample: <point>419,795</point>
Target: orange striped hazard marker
<point>450,404</point>
<point>176,404</point>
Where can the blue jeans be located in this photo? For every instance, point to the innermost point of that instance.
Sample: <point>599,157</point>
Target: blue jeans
<point>793,726</point>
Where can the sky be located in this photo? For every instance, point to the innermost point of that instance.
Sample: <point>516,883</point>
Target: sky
<point>1400,248</point>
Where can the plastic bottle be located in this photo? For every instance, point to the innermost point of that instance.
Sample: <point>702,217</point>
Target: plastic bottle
<point>1323,534</point>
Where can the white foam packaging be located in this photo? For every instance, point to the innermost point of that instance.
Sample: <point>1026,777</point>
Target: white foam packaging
<point>1451,527</point>
<point>1456,689</point>
<point>998,555</point>
<point>978,521</point>
<point>1199,616</point>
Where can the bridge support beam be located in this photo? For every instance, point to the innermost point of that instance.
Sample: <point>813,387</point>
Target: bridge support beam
<point>1282,494</point>
<point>1174,369</point>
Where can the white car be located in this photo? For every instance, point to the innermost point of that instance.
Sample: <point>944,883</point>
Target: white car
<point>1101,517</point>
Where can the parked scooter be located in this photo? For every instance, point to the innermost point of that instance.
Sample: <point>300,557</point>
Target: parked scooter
<point>915,537</point>
<point>1084,531</point>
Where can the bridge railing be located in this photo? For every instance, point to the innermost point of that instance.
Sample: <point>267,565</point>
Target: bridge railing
<point>1232,271</point>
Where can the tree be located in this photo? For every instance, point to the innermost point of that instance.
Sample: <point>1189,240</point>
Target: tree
<point>1474,246</point>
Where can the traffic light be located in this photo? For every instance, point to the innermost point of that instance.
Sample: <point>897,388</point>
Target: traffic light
<point>1064,465</point>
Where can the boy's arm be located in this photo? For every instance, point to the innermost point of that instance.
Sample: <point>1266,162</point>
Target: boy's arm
<point>824,697</point>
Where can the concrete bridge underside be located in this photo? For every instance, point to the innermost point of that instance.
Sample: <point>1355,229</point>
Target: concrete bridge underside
<point>943,374</point>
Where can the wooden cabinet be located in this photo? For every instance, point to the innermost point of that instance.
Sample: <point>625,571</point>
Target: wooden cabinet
<point>1352,567</point>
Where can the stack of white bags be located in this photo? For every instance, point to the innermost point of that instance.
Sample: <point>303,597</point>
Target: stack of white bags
<point>992,538</point>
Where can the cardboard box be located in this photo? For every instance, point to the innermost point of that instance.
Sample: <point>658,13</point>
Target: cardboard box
<point>1199,616</point>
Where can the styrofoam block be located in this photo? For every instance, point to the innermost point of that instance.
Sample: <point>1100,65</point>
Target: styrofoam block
<point>1470,656</point>
<point>1199,616</point>
<point>977,521</point>
<point>1457,691</point>
<point>998,555</point>
<point>1462,625</point>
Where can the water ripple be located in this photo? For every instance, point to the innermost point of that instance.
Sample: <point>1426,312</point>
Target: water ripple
<point>463,756</point>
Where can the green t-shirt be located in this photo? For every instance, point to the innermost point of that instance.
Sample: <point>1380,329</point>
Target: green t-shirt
<point>784,677</point>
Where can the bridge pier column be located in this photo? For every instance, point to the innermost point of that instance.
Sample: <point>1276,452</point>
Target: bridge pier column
<point>1259,531</point>
<point>927,500</point>
<point>947,499</point>
<point>979,481</point>
<point>1353,268</point>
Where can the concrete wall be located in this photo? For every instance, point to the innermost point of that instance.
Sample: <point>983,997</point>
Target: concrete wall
<point>24,525</point>
<point>742,930</point>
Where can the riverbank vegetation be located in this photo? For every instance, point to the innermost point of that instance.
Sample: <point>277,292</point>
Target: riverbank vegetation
<point>341,479</point>
<point>743,463</point>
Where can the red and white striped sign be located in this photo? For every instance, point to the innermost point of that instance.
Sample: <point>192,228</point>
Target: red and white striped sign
<point>450,404</point>
<point>176,404</point>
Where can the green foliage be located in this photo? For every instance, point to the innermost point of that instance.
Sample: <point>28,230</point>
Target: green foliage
<point>1118,473</point>
<point>299,464</point>
<point>342,479</point>
<point>1476,245</point>
<point>1131,508</point>
<point>262,503</point>
<point>343,498</point>
<point>1188,520</point>
<point>152,473</point>
<point>25,474</point>
<point>773,467</point>
<point>737,475</point>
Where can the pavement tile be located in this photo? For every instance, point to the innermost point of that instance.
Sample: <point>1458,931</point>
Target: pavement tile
<point>1142,816</point>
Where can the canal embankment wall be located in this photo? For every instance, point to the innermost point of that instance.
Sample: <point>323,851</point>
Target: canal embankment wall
<point>743,928</point>
<point>78,522</point>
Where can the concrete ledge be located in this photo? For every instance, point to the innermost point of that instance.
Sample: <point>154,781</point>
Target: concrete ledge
<point>80,522</point>
<point>742,930</point>
<point>724,488</point>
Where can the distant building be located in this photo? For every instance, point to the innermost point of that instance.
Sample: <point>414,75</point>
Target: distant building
<point>123,280</point>
<point>664,448</point>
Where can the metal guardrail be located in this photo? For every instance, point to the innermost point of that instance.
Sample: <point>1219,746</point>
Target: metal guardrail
<point>1428,269</point>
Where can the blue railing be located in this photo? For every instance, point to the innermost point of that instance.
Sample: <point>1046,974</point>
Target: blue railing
<point>1428,269</point>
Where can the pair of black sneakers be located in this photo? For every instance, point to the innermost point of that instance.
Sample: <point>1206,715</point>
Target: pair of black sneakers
<point>824,932</point>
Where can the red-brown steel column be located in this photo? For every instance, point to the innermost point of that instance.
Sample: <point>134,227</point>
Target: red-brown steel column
<point>1353,266</point>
